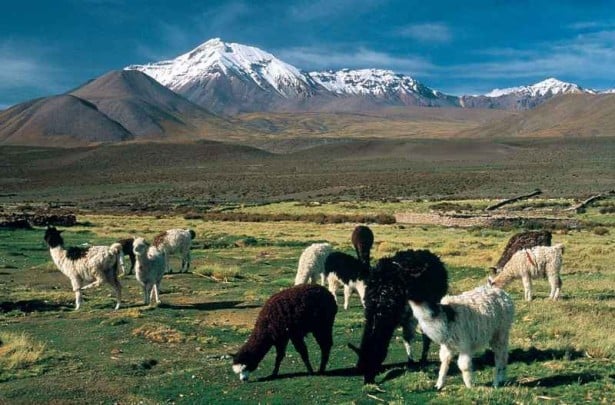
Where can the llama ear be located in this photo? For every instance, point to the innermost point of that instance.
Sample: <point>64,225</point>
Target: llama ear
<point>493,270</point>
<point>490,281</point>
<point>232,355</point>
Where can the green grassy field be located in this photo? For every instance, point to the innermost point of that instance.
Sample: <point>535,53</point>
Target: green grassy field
<point>560,352</point>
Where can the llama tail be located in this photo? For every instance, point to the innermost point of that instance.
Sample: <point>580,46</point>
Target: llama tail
<point>116,250</point>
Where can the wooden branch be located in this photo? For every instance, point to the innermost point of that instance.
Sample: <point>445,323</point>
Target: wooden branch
<point>580,206</point>
<point>512,200</point>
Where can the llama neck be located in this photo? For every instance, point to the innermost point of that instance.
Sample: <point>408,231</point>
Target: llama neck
<point>434,323</point>
<point>58,255</point>
<point>258,346</point>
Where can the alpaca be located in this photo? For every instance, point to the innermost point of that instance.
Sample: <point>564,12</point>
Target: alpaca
<point>149,269</point>
<point>362,239</point>
<point>522,240</point>
<point>86,267</point>
<point>312,263</point>
<point>386,305</point>
<point>344,269</point>
<point>539,261</point>
<point>176,241</point>
<point>289,315</point>
<point>127,250</point>
<point>466,323</point>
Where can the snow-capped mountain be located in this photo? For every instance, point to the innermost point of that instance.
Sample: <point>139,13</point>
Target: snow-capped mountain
<point>523,97</point>
<point>550,86</point>
<point>230,77</point>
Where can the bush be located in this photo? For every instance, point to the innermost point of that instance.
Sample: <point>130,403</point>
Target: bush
<point>601,231</point>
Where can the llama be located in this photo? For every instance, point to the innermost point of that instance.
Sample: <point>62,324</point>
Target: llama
<point>466,323</point>
<point>386,305</point>
<point>176,241</point>
<point>86,267</point>
<point>522,240</point>
<point>539,261</point>
<point>312,263</point>
<point>341,268</point>
<point>289,315</point>
<point>149,269</point>
<point>362,239</point>
<point>127,250</point>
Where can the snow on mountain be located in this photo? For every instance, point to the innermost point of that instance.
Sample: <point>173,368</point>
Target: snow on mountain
<point>216,57</point>
<point>550,86</point>
<point>368,82</point>
<point>229,77</point>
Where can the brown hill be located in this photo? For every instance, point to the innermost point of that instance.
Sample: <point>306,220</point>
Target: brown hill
<point>58,120</point>
<point>568,115</point>
<point>118,106</point>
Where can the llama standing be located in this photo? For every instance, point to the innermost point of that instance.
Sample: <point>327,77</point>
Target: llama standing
<point>386,305</point>
<point>86,267</point>
<point>540,261</point>
<point>289,315</point>
<point>466,323</point>
<point>149,269</point>
<point>522,240</point>
<point>348,271</point>
<point>176,241</point>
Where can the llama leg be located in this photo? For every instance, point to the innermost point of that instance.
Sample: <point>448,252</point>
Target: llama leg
<point>155,293</point>
<point>347,292</point>
<point>299,344</point>
<point>408,327</point>
<point>133,260</point>
<point>425,351</point>
<point>76,284</point>
<point>332,286</point>
<point>527,287</point>
<point>188,260</point>
<point>501,360</point>
<point>93,284</point>
<point>556,286</point>
<point>325,341</point>
<point>445,360</point>
<point>167,265</point>
<point>122,266</point>
<point>465,365</point>
<point>280,352</point>
<point>146,294</point>
<point>117,288</point>
<point>360,287</point>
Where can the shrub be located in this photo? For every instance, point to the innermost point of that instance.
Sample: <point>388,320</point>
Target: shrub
<point>601,231</point>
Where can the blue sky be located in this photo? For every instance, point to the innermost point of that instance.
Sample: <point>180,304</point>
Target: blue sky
<point>459,47</point>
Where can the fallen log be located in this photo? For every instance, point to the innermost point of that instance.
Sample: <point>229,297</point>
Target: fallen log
<point>580,207</point>
<point>514,199</point>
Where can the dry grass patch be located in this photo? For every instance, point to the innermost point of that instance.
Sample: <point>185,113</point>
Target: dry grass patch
<point>219,272</point>
<point>18,351</point>
<point>158,333</point>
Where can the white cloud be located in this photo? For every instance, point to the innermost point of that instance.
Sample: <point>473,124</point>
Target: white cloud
<point>434,32</point>
<point>26,65</point>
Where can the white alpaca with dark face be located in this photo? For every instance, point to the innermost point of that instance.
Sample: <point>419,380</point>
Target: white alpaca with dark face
<point>86,267</point>
<point>466,323</point>
<point>348,271</point>
<point>149,269</point>
<point>176,241</point>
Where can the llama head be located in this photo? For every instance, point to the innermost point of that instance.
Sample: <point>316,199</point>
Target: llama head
<point>243,364</point>
<point>52,237</point>
<point>362,239</point>
<point>140,246</point>
<point>426,279</point>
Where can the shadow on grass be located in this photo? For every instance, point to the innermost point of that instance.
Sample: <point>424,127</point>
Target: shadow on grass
<point>28,306</point>
<point>528,356</point>
<point>209,306</point>
<point>564,379</point>
<point>340,372</point>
